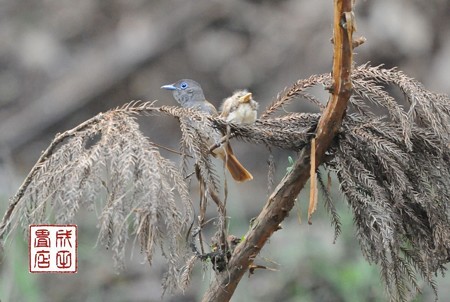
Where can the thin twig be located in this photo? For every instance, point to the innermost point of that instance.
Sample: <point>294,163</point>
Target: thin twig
<point>171,150</point>
<point>224,139</point>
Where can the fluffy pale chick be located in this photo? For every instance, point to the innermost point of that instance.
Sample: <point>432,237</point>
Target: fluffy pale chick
<point>240,108</point>
<point>189,94</point>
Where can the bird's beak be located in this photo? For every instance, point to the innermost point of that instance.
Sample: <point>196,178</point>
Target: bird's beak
<point>169,87</point>
<point>246,98</point>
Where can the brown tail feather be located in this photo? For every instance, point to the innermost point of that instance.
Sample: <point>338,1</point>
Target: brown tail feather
<point>237,170</point>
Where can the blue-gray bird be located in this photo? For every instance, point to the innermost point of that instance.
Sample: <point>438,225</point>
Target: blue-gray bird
<point>189,94</point>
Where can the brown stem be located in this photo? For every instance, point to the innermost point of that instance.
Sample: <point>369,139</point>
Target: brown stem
<point>282,199</point>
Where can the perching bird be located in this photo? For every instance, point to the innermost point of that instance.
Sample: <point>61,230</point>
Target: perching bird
<point>189,94</point>
<point>240,108</point>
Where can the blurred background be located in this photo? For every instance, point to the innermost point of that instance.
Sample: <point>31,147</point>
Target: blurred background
<point>62,61</point>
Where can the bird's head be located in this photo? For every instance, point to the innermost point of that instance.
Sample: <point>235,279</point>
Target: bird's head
<point>186,92</point>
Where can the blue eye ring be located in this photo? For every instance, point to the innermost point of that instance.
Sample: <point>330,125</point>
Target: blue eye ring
<point>183,85</point>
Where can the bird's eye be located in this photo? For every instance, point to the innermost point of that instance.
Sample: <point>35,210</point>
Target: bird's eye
<point>183,85</point>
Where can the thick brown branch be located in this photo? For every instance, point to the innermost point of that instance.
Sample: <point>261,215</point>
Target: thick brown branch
<point>282,199</point>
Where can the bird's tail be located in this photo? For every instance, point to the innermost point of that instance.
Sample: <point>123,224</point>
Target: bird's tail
<point>237,170</point>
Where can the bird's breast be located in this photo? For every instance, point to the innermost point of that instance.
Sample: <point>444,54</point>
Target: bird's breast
<point>244,114</point>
